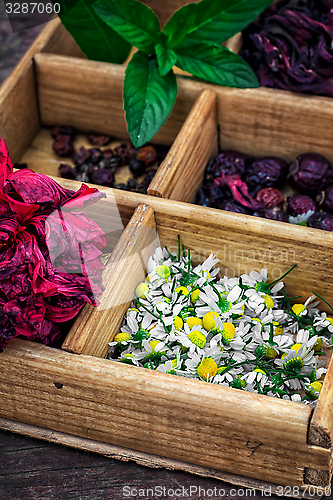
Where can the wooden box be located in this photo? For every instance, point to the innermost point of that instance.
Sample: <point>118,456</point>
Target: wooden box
<point>91,402</point>
<point>209,426</point>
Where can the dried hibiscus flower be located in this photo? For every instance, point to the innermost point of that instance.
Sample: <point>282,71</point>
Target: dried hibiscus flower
<point>49,257</point>
<point>290,46</point>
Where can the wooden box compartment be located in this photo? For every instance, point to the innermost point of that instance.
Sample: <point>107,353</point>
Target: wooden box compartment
<point>51,91</point>
<point>210,426</point>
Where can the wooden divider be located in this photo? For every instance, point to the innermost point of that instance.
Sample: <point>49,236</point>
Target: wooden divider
<point>181,173</point>
<point>95,327</point>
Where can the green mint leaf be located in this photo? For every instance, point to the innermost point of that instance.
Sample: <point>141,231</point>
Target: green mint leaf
<point>215,64</point>
<point>166,58</point>
<point>134,21</point>
<point>148,98</point>
<point>212,21</point>
<point>97,40</point>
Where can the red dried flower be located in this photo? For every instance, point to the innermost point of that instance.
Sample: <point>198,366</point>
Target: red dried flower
<point>49,257</point>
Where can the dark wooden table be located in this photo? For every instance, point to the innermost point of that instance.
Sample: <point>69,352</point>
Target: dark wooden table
<point>31,469</point>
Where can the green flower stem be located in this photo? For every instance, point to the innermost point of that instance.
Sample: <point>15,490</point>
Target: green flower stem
<point>321,298</point>
<point>172,257</point>
<point>281,277</point>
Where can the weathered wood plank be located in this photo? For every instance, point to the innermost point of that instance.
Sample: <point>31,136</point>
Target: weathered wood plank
<point>118,474</point>
<point>257,121</point>
<point>163,414</point>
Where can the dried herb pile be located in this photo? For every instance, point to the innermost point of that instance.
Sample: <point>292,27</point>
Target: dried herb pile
<point>235,182</point>
<point>100,166</point>
<point>237,332</point>
<point>49,254</point>
<point>290,47</point>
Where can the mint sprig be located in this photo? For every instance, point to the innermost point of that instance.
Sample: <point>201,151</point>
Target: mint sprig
<point>190,40</point>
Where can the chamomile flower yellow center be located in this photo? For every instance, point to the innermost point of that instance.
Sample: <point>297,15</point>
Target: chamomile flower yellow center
<point>141,290</point>
<point>318,344</point>
<point>195,295</point>
<point>122,337</point>
<point>228,332</point>
<point>330,320</point>
<point>298,309</point>
<point>208,320</point>
<point>163,271</point>
<point>207,368</point>
<point>182,290</point>
<point>271,353</point>
<point>316,386</point>
<point>296,347</point>
<point>178,322</point>
<point>193,321</point>
<point>153,344</point>
<point>278,330</point>
<point>197,338</point>
<point>269,302</point>
<point>313,389</point>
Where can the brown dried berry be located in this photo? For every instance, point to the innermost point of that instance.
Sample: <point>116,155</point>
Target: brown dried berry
<point>81,156</point>
<point>108,154</point>
<point>66,171</point>
<point>64,130</point>
<point>63,145</point>
<point>147,154</point>
<point>99,140</point>
<point>124,152</point>
<point>270,197</point>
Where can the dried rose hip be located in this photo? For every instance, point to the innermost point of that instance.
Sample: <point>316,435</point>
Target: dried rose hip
<point>64,130</point>
<point>81,156</point>
<point>327,199</point>
<point>147,154</point>
<point>232,206</point>
<point>272,213</point>
<point>143,186</point>
<point>66,171</point>
<point>270,197</point>
<point>299,204</point>
<point>310,173</point>
<point>132,184</point>
<point>228,163</point>
<point>108,154</point>
<point>99,140</point>
<point>321,220</point>
<point>63,145</point>
<point>215,194</point>
<point>266,172</point>
<point>137,167</point>
<point>96,155</point>
<point>102,177</point>
<point>124,152</point>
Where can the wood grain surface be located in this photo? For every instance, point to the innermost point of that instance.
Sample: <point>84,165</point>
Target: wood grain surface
<point>31,469</point>
<point>120,475</point>
<point>244,433</point>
